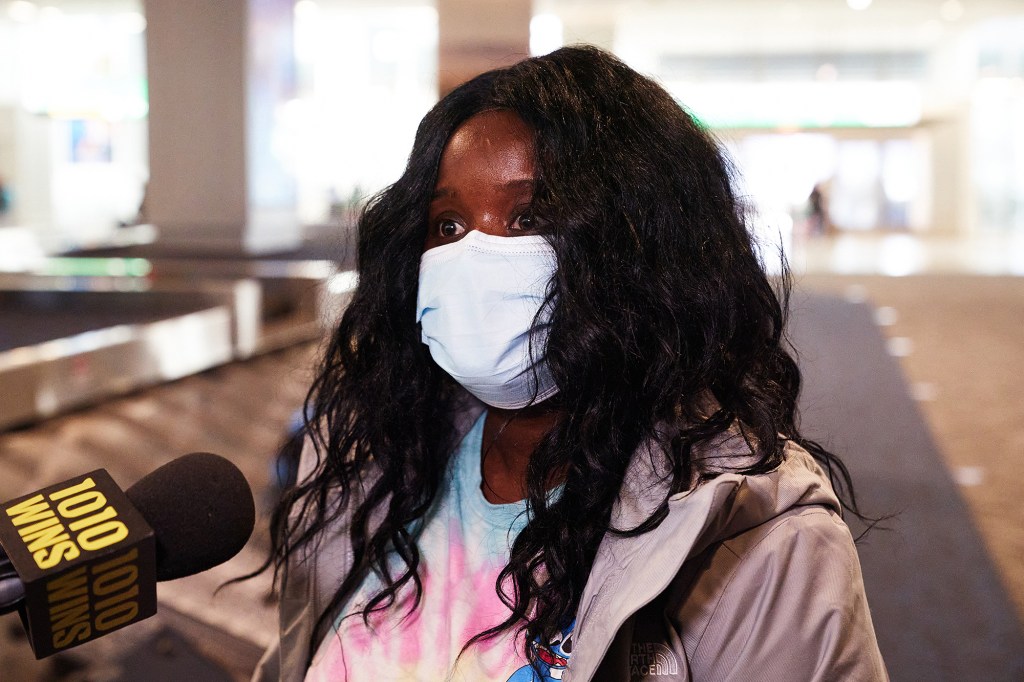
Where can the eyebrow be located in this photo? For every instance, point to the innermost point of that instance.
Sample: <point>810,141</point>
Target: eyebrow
<point>525,183</point>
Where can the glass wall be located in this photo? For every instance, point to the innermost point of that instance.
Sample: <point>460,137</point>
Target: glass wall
<point>73,107</point>
<point>367,75</point>
<point>72,120</point>
<point>843,117</point>
<point>997,126</point>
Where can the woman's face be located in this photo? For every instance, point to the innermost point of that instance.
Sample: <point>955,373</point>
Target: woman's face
<point>485,181</point>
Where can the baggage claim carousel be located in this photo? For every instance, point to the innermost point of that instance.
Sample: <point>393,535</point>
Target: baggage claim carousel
<point>79,330</point>
<point>124,362</point>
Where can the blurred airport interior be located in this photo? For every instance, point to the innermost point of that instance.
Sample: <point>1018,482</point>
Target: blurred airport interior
<point>179,182</point>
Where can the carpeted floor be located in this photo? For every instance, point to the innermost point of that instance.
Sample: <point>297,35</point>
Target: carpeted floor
<point>961,345</point>
<point>940,609</point>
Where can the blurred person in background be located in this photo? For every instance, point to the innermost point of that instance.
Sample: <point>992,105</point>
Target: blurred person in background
<point>817,210</point>
<point>554,435</point>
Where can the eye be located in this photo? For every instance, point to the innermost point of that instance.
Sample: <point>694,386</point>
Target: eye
<point>448,228</point>
<point>527,222</point>
<point>567,645</point>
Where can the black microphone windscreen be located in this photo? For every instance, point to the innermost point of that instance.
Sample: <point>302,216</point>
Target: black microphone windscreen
<point>201,510</point>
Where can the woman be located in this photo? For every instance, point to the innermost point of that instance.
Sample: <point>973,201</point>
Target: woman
<point>554,435</point>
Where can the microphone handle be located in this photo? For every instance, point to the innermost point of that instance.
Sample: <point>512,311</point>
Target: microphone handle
<point>12,590</point>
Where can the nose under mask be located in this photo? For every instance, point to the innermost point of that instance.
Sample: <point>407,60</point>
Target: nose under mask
<point>480,307</point>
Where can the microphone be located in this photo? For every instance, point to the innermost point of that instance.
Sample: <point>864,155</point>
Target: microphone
<point>81,558</point>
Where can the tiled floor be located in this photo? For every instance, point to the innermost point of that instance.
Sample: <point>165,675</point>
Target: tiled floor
<point>903,253</point>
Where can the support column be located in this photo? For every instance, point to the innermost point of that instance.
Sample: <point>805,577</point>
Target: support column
<point>218,75</point>
<point>479,35</point>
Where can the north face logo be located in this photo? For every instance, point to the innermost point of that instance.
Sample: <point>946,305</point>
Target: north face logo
<point>650,659</point>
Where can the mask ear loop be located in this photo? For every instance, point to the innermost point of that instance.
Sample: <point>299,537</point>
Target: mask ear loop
<point>547,306</point>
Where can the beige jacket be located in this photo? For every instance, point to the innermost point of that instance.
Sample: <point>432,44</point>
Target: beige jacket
<point>748,578</point>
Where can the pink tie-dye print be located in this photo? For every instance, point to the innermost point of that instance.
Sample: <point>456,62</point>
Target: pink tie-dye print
<point>464,544</point>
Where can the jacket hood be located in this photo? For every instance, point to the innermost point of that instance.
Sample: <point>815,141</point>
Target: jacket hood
<point>629,572</point>
<point>746,501</point>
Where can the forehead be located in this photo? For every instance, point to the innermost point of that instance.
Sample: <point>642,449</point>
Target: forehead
<point>496,136</point>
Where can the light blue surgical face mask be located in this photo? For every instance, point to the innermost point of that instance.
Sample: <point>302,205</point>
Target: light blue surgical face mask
<point>477,303</point>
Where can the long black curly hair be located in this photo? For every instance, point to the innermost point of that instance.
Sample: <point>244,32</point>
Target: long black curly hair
<point>661,307</point>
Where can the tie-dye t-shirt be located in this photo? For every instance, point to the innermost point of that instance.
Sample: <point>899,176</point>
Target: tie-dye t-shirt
<point>464,544</point>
